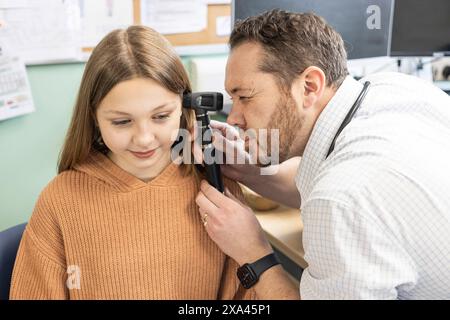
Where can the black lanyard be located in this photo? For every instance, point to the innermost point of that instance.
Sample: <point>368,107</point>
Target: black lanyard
<point>350,115</point>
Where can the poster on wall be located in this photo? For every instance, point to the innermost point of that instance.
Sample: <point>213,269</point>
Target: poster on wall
<point>15,93</point>
<point>174,16</point>
<point>42,31</point>
<point>98,18</point>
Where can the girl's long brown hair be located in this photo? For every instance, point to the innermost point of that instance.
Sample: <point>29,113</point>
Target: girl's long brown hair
<point>122,55</point>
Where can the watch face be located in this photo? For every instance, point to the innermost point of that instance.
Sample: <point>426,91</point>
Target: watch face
<point>247,276</point>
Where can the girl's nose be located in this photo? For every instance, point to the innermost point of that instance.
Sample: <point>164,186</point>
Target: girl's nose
<point>144,137</point>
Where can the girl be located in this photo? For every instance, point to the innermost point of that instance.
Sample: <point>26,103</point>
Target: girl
<point>120,220</point>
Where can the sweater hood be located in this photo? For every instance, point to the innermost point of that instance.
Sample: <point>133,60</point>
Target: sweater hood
<point>100,167</point>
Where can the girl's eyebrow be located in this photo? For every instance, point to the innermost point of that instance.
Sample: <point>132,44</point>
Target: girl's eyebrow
<point>153,110</point>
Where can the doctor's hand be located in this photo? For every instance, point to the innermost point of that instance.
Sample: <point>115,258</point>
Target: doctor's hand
<point>232,225</point>
<point>238,165</point>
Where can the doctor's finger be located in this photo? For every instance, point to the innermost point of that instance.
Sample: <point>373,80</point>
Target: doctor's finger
<point>226,129</point>
<point>205,204</point>
<point>221,201</point>
<point>234,148</point>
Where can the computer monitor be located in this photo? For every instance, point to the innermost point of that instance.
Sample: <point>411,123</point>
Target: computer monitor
<point>351,18</point>
<point>421,28</point>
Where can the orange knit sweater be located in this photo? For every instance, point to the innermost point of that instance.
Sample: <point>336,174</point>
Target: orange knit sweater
<point>98,232</point>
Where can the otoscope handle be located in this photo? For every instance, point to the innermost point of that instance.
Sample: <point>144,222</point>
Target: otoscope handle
<point>202,102</point>
<point>212,169</point>
<point>214,176</point>
<point>203,118</point>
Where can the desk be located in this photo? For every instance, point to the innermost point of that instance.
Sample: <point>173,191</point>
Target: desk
<point>283,227</point>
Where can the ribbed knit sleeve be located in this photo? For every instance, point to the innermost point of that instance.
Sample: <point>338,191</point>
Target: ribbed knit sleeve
<point>40,270</point>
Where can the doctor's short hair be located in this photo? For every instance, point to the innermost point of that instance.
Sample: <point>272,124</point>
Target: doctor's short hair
<point>293,42</point>
<point>123,54</point>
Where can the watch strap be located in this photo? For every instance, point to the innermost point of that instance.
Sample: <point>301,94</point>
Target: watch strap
<point>264,263</point>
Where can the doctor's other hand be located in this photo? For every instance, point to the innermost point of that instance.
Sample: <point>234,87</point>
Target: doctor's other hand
<point>238,164</point>
<point>232,225</point>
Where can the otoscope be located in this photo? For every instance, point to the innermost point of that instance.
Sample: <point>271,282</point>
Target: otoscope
<point>202,102</point>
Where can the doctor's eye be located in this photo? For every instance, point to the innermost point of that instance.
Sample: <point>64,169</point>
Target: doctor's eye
<point>241,98</point>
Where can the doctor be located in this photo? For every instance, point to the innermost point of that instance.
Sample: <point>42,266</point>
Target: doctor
<point>374,179</point>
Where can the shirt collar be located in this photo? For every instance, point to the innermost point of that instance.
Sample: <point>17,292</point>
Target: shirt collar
<point>323,133</point>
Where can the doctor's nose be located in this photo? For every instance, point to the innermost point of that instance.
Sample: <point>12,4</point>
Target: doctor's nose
<point>236,116</point>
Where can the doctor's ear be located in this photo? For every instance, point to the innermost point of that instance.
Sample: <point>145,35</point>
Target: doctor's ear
<point>313,80</point>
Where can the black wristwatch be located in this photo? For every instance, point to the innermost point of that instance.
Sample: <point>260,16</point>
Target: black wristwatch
<point>249,274</point>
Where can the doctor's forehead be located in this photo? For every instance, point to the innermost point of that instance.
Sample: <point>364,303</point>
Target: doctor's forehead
<point>245,57</point>
<point>243,66</point>
<point>240,85</point>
